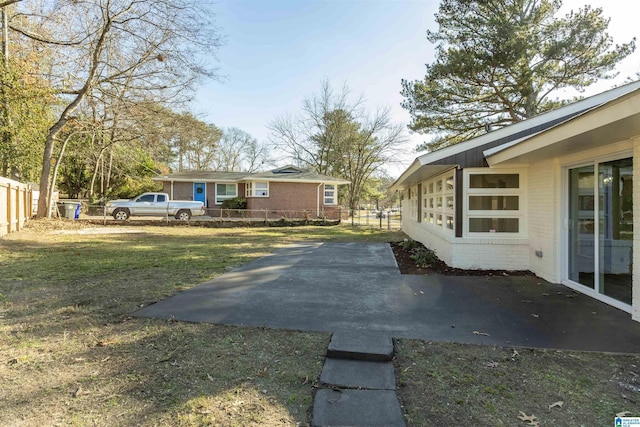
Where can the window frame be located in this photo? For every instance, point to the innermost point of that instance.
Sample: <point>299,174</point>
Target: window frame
<point>518,214</point>
<point>251,189</point>
<point>333,197</point>
<point>219,199</point>
<point>438,201</point>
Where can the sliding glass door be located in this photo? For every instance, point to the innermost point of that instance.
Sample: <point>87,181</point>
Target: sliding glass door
<point>600,228</point>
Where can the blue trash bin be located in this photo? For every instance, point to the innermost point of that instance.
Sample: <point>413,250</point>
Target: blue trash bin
<point>77,213</point>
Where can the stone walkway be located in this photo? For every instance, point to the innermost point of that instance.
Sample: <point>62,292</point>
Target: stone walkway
<point>357,383</point>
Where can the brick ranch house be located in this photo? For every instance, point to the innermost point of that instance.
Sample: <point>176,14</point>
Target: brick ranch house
<point>553,194</point>
<point>286,191</point>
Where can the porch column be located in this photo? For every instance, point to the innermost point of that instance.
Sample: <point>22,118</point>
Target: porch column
<point>635,307</point>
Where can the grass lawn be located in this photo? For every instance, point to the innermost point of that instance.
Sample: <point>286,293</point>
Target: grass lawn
<point>70,354</point>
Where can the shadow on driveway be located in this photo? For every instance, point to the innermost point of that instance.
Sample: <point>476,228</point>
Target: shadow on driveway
<point>333,287</point>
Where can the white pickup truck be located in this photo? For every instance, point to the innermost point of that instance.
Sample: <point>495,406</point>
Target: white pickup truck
<point>154,204</point>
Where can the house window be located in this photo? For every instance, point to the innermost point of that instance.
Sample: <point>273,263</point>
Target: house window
<point>413,196</point>
<point>494,203</point>
<point>257,189</point>
<point>497,180</point>
<point>225,191</point>
<point>439,203</point>
<point>330,194</point>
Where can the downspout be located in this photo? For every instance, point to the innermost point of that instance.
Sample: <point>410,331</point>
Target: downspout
<point>318,200</point>
<point>171,197</point>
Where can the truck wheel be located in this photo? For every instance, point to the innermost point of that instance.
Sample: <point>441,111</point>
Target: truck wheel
<point>121,214</point>
<point>183,215</point>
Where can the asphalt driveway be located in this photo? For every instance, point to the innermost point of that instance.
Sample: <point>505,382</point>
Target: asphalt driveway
<point>353,286</point>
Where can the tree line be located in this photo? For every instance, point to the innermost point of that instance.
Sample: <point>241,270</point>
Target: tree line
<point>94,94</point>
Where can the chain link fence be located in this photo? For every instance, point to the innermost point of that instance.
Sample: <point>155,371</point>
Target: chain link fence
<point>390,219</point>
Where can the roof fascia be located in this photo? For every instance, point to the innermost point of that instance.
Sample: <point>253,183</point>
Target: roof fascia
<point>582,123</point>
<point>575,107</point>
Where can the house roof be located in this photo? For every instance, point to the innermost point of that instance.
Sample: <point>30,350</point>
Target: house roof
<point>483,151</point>
<point>283,174</point>
<point>613,121</point>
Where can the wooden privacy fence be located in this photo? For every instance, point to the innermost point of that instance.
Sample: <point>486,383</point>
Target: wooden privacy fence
<point>15,205</point>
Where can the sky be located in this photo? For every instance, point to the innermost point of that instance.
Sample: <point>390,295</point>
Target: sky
<point>277,52</point>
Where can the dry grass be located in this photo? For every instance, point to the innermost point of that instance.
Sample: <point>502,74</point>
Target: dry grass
<point>71,355</point>
<point>443,384</point>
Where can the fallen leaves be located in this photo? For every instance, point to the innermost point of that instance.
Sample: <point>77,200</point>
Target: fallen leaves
<point>557,404</point>
<point>532,420</point>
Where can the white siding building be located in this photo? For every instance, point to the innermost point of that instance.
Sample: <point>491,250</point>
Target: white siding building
<point>553,194</point>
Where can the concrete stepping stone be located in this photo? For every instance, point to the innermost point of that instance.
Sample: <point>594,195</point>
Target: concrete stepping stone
<point>344,373</point>
<point>370,408</point>
<point>360,345</point>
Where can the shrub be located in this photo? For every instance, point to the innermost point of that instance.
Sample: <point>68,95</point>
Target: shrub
<point>409,244</point>
<point>235,203</point>
<point>424,258</point>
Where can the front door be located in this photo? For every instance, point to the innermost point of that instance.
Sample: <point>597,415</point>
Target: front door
<point>200,192</point>
<point>600,229</point>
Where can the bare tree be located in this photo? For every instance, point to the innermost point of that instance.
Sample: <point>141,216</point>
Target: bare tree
<point>149,47</point>
<point>335,136</point>
<point>238,151</point>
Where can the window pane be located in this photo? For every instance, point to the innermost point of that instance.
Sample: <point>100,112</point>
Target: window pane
<point>449,203</point>
<point>439,220</point>
<point>494,181</point>
<point>431,187</point>
<point>432,218</point>
<point>449,183</point>
<point>438,202</point>
<point>449,222</point>
<point>494,225</point>
<point>431,203</point>
<point>438,186</point>
<point>494,203</point>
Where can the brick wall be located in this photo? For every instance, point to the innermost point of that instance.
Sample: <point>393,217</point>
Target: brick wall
<point>471,253</point>
<point>289,196</point>
<point>544,216</point>
<point>181,190</point>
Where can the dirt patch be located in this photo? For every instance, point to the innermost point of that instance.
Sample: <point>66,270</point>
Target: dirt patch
<point>408,265</point>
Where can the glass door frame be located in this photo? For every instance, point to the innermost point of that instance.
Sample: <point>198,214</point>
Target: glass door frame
<point>592,292</point>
